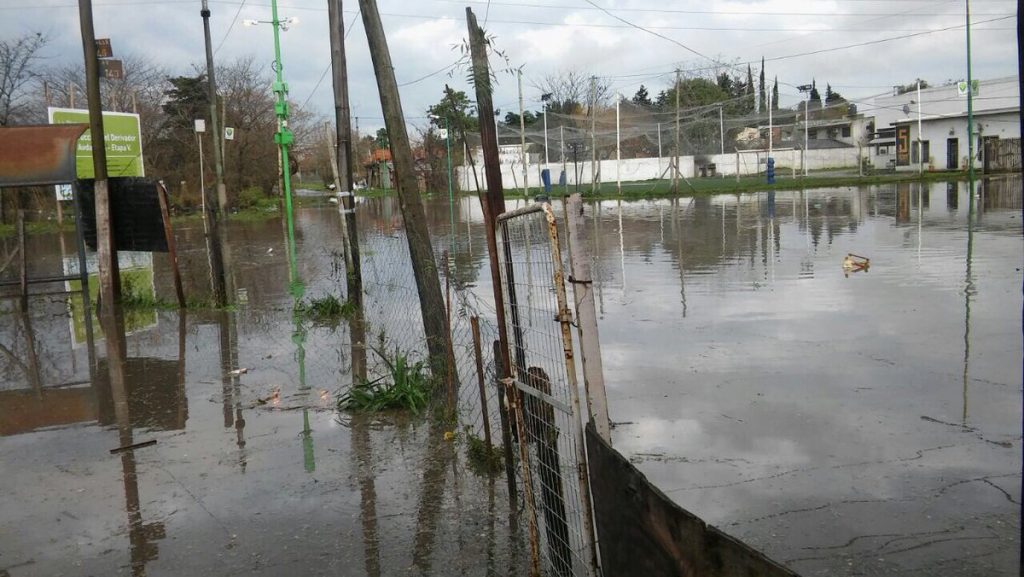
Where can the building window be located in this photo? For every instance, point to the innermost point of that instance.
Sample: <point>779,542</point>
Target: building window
<point>846,132</point>
<point>813,134</point>
<point>883,149</point>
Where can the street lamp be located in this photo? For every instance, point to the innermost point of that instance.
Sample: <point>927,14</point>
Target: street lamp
<point>448,154</point>
<point>807,118</point>
<point>284,136</point>
<point>544,99</point>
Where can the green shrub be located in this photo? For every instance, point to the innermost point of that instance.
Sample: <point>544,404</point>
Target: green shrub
<point>406,386</point>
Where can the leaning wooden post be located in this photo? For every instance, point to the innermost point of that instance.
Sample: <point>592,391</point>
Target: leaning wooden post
<point>586,318</point>
<point>172,251</point>
<point>474,323</point>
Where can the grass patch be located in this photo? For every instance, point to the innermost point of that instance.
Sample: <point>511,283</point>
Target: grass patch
<point>483,459</point>
<point>326,310</point>
<point>406,386</point>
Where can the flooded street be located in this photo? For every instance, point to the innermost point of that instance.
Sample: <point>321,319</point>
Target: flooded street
<point>843,421</point>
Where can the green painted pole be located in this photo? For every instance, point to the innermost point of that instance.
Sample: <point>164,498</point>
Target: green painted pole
<point>970,103</point>
<point>284,138</point>
<point>451,195</point>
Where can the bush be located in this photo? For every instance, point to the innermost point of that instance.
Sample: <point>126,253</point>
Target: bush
<point>406,387</point>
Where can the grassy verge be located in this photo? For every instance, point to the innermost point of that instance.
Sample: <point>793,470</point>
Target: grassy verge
<point>730,185</point>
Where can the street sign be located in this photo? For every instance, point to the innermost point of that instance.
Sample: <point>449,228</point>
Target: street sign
<point>443,132</point>
<point>123,141</point>
<point>200,125</point>
<point>229,133</point>
<point>961,88</point>
<point>103,48</point>
<point>112,69</point>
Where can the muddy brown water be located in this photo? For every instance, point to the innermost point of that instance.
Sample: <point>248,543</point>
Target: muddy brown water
<point>845,422</point>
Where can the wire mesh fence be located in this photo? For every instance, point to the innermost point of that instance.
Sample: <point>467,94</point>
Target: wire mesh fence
<point>546,411</point>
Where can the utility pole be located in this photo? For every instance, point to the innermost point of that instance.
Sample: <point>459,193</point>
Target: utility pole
<point>675,168</point>
<point>593,134</point>
<point>970,103</point>
<point>522,137</point>
<point>618,145</point>
<point>214,210</point>
<point>493,204</point>
<point>110,276</point>
<point>428,285</point>
<point>920,139</point>
<point>215,129</point>
<point>343,152</point>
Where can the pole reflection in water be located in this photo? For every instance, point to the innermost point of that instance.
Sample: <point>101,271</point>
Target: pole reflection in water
<point>297,289</point>
<point>141,535</point>
<point>969,290</point>
<point>231,381</point>
<point>362,453</point>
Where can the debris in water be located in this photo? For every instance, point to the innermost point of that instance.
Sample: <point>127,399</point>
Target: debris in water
<point>237,372</point>
<point>132,447</point>
<point>855,263</point>
<point>448,435</point>
<point>274,398</point>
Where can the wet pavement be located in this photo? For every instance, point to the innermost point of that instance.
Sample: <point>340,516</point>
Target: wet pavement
<point>846,423</point>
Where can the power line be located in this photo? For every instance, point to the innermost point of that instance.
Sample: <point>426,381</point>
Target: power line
<point>230,28</point>
<point>329,64</point>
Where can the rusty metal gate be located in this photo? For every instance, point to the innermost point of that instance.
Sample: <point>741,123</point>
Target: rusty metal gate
<point>544,394</point>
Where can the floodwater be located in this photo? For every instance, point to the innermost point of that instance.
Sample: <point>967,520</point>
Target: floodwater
<point>843,421</point>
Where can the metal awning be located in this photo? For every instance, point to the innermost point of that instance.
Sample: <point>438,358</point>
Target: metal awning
<point>38,155</point>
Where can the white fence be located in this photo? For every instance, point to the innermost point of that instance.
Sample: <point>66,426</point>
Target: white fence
<point>750,162</point>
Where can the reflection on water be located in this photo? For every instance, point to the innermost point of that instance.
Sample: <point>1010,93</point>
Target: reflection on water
<point>839,423</point>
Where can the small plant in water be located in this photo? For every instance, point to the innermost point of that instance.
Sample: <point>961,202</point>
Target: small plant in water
<point>326,310</point>
<point>406,386</point>
<point>483,459</point>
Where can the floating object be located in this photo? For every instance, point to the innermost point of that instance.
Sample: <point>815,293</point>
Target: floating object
<point>448,435</point>
<point>855,263</point>
<point>237,372</point>
<point>132,447</point>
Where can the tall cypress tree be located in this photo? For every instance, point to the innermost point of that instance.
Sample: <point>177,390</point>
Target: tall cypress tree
<point>775,94</point>
<point>761,105</point>
<point>750,87</point>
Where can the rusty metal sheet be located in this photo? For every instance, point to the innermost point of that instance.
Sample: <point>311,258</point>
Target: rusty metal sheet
<point>38,155</point>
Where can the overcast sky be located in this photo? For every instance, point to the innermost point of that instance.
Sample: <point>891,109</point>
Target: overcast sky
<point>547,36</point>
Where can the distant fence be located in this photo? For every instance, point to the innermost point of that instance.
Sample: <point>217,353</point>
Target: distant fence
<point>1002,155</point>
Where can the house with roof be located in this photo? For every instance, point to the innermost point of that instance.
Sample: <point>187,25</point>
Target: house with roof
<point>929,132</point>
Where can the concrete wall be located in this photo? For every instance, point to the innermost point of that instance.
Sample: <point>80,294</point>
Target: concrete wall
<point>640,169</point>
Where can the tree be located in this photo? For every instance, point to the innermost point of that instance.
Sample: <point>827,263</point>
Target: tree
<point>17,61</point>
<point>574,92</point>
<point>912,86</point>
<point>529,118</point>
<point>775,94</point>
<point>382,140</point>
<point>815,96</point>
<point>762,106</point>
<point>461,116</point>
<point>642,98</point>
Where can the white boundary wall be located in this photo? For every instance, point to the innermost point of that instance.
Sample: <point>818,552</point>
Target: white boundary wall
<point>640,169</point>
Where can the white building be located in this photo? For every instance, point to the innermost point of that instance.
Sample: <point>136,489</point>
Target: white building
<point>941,113</point>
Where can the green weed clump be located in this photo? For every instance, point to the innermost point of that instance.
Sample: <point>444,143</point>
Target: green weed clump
<point>406,386</point>
<point>326,310</point>
<point>137,298</point>
<point>483,459</point>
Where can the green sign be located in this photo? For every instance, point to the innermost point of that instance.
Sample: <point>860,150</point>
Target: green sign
<point>122,136</point>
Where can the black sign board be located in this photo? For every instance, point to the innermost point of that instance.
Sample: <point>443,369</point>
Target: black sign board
<point>135,211</point>
<point>112,69</point>
<point>103,48</point>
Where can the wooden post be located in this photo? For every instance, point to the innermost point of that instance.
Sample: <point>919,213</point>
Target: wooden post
<point>586,318</point>
<point>165,214</point>
<point>474,324</point>
<point>22,263</point>
<point>428,284</point>
<point>493,204</point>
<point>675,171</point>
<point>343,151</point>
<point>110,278</point>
